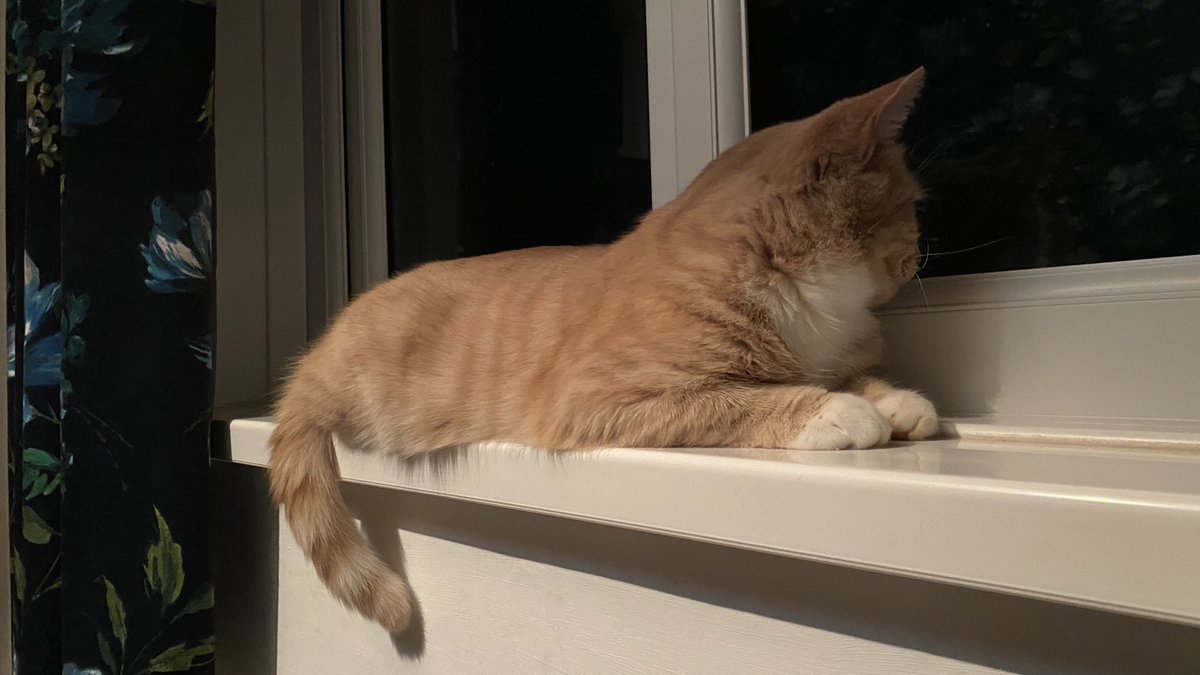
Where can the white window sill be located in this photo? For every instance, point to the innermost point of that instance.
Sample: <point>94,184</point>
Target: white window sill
<point>1104,527</point>
<point>1105,432</point>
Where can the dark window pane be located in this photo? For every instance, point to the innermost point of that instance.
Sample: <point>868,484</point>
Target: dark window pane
<point>1069,131</point>
<point>513,124</point>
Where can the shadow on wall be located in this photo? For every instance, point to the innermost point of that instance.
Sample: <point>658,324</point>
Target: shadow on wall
<point>384,538</point>
<point>246,569</point>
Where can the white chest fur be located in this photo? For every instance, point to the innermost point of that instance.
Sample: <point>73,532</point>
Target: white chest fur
<point>823,316</point>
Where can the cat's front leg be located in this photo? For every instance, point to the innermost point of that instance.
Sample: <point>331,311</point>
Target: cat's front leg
<point>765,416</point>
<point>844,421</point>
<point>911,415</point>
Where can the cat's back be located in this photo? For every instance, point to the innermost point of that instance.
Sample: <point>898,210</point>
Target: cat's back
<point>472,293</point>
<point>464,274</point>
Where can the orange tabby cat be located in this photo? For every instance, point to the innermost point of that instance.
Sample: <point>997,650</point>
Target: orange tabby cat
<point>739,314</point>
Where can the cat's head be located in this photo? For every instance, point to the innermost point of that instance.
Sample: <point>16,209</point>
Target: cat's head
<point>833,188</point>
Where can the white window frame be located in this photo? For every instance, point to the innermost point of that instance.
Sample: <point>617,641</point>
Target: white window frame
<point>1090,350</point>
<point>699,103</point>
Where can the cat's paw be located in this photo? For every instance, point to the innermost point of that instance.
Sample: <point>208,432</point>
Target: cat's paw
<point>844,421</point>
<point>911,415</point>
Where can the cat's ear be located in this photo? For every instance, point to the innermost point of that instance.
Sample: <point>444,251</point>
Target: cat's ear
<point>885,109</point>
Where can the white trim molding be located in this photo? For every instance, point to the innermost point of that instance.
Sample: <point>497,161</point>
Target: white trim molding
<point>327,234</point>
<point>1110,345</point>
<point>239,126</point>
<point>696,73</point>
<point>261,166</point>
<point>731,80</point>
<point>1133,280</point>
<point>366,167</point>
<point>281,193</point>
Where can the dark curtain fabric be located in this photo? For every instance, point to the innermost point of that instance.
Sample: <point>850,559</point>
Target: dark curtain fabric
<point>108,182</point>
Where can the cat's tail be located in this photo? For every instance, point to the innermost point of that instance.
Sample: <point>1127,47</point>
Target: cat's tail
<point>304,481</point>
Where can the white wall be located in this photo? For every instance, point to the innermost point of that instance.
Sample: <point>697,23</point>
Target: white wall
<point>510,592</point>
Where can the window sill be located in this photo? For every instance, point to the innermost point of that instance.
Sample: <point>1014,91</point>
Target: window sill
<point>1103,527</point>
<point>1106,432</point>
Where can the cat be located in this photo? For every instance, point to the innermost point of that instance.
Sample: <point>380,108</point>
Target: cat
<point>739,314</point>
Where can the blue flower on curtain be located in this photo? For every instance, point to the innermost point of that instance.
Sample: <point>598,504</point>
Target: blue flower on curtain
<point>49,316</point>
<point>43,342</point>
<point>78,27</point>
<point>179,255</point>
<point>90,27</point>
<point>202,349</point>
<point>72,669</point>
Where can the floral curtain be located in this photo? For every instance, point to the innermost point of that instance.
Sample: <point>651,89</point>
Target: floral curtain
<point>108,188</point>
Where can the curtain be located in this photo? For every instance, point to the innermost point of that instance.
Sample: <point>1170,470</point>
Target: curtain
<point>109,215</point>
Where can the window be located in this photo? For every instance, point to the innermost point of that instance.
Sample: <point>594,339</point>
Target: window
<point>513,124</point>
<point>1060,137</point>
<point>1047,133</point>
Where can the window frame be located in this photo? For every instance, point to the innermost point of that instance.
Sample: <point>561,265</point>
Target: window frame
<point>699,95</point>
<point>1137,386</point>
<point>318,102</point>
<point>366,181</point>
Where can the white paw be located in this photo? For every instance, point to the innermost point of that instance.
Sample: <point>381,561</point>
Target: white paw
<point>911,415</point>
<point>844,421</point>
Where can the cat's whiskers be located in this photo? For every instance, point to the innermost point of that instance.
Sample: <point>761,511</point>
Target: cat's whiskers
<point>929,254</point>
<point>933,155</point>
<point>926,255</point>
<point>924,260</point>
<point>921,285</point>
<point>964,250</point>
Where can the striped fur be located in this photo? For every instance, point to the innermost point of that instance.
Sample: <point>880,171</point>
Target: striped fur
<point>736,315</point>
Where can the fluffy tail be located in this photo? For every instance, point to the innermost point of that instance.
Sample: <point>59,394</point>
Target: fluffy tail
<point>304,481</point>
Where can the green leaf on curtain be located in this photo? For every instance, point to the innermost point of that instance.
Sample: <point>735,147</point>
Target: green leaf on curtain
<point>164,564</point>
<point>206,110</point>
<point>47,42</point>
<point>38,484</point>
<point>18,572</point>
<point>40,474</point>
<point>202,601</point>
<point>74,348</point>
<point>180,657</point>
<point>106,653</point>
<point>46,589</point>
<point>76,309</point>
<point>39,459</point>
<point>116,612</point>
<point>53,485</point>
<point>34,528</point>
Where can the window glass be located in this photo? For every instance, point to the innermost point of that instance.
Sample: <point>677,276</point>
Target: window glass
<point>1049,133</point>
<point>512,124</point>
